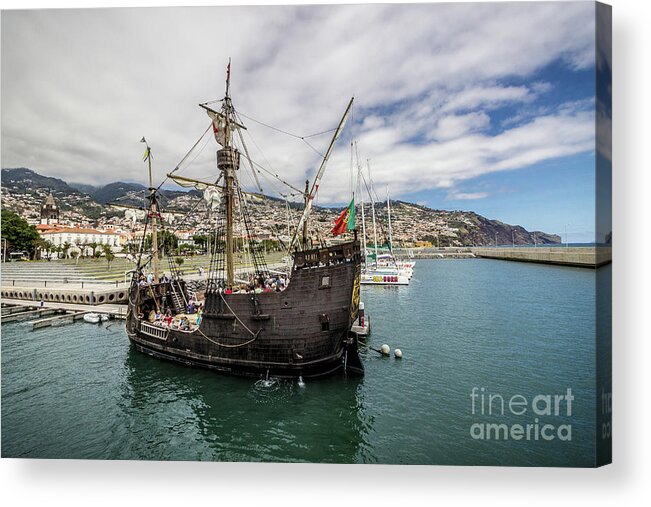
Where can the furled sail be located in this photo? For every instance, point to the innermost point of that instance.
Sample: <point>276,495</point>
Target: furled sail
<point>218,126</point>
<point>211,191</point>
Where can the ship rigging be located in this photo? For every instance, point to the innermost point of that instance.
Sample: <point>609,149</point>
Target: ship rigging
<point>253,321</point>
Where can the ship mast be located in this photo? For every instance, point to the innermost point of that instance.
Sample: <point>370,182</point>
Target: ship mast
<point>228,161</point>
<point>153,213</point>
<point>307,198</point>
<point>317,179</point>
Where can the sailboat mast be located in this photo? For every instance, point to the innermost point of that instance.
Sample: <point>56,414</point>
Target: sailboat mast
<point>389,214</point>
<point>363,225</point>
<point>361,196</point>
<point>368,164</point>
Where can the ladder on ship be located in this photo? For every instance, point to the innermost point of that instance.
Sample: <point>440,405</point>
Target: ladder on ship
<point>178,300</point>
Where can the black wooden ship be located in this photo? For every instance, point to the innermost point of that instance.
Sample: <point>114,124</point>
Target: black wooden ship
<point>298,325</point>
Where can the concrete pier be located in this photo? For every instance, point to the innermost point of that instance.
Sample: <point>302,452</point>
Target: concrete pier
<point>12,309</point>
<point>586,257</point>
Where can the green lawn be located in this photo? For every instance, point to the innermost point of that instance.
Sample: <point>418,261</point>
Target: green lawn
<point>97,268</point>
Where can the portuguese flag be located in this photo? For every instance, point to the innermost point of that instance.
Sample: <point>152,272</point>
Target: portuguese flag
<point>345,221</point>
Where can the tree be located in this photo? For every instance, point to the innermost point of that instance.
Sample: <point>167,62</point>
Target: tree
<point>82,248</point>
<point>108,253</point>
<point>187,249</point>
<point>20,236</point>
<point>43,245</point>
<point>167,242</point>
<point>201,240</point>
<point>64,249</point>
<point>93,245</point>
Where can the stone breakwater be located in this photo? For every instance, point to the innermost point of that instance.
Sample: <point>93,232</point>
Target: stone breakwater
<point>588,257</point>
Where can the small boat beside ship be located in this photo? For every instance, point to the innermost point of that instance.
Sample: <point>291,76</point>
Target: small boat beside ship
<point>95,318</point>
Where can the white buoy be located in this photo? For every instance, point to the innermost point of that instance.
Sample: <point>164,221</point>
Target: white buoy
<point>385,349</point>
<point>397,353</point>
<point>300,381</point>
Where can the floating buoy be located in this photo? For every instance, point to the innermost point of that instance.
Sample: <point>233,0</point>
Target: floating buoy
<point>300,381</point>
<point>385,350</point>
<point>397,353</point>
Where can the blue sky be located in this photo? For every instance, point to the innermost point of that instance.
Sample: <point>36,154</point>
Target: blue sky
<point>556,195</point>
<point>482,107</point>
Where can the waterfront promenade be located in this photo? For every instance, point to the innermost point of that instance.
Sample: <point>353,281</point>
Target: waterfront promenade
<point>90,282</point>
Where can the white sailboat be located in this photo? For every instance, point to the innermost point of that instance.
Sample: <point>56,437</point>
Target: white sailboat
<point>383,270</point>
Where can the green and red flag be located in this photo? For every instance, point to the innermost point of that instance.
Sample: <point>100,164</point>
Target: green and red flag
<point>345,221</point>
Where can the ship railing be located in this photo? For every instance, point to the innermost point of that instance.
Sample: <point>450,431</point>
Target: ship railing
<point>154,331</point>
<point>154,289</point>
<point>324,256</point>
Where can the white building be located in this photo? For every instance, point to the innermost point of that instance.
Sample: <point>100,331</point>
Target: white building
<point>79,238</point>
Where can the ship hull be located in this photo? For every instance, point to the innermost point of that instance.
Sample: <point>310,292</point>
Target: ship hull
<point>325,367</point>
<point>301,331</point>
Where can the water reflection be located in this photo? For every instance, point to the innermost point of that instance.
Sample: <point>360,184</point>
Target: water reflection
<point>180,413</point>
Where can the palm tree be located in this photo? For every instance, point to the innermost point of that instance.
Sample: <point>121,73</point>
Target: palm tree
<point>49,247</point>
<point>108,253</point>
<point>64,249</point>
<point>94,246</point>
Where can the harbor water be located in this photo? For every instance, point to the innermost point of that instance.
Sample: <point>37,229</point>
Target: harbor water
<point>464,326</point>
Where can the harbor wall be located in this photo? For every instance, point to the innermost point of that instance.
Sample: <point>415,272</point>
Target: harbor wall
<point>76,296</point>
<point>588,257</point>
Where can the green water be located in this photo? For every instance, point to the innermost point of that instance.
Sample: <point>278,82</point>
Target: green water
<point>81,391</point>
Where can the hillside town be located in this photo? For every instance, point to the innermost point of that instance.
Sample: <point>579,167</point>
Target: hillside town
<point>72,223</point>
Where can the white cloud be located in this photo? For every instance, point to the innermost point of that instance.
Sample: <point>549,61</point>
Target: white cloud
<point>467,196</point>
<point>450,127</point>
<point>81,87</point>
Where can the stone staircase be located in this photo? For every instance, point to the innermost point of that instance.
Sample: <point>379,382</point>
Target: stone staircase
<point>41,273</point>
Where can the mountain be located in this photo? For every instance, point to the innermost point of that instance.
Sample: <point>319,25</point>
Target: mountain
<point>83,187</point>
<point>25,190</point>
<point>414,222</point>
<point>27,180</point>
<point>116,190</point>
